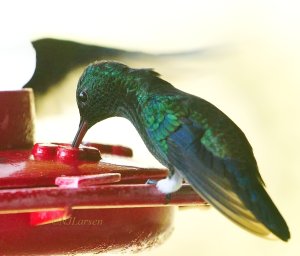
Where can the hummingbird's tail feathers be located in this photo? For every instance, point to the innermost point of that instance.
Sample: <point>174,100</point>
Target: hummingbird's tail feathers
<point>267,213</point>
<point>243,201</point>
<point>255,198</point>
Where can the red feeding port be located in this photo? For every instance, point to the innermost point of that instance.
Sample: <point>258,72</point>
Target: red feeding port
<point>43,151</point>
<point>68,153</point>
<point>64,152</point>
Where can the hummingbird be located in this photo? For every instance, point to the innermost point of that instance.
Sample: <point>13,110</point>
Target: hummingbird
<point>194,139</point>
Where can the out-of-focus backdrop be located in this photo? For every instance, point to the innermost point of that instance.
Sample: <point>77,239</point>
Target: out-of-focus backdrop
<point>243,56</point>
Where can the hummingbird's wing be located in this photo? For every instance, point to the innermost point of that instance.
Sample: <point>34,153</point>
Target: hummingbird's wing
<point>214,156</point>
<point>232,186</point>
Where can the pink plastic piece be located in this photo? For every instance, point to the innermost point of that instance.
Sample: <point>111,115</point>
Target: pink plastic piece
<point>51,216</point>
<point>87,180</point>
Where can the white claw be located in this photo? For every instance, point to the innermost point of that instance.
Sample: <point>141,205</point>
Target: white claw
<point>170,185</point>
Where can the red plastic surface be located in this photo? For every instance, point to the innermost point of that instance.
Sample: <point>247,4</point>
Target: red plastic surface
<point>39,218</point>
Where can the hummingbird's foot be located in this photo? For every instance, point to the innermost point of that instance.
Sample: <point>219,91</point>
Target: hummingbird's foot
<point>167,196</point>
<point>151,182</point>
<point>170,184</point>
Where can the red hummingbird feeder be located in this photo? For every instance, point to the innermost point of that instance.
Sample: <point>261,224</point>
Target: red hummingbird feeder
<point>55,199</point>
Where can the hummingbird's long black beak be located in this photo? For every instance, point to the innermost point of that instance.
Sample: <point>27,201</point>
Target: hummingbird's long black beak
<point>83,127</point>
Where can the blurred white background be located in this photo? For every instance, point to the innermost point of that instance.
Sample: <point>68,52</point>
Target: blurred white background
<point>250,72</point>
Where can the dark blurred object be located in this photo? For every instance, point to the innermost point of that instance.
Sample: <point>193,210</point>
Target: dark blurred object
<point>56,58</point>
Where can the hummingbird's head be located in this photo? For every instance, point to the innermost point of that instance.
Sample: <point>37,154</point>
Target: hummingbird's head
<point>104,89</point>
<point>98,92</point>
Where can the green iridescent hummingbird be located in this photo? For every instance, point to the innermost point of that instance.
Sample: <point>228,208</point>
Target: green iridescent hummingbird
<point>194,139</point>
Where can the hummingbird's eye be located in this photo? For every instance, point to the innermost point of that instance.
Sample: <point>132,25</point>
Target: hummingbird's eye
<point>83,97</point>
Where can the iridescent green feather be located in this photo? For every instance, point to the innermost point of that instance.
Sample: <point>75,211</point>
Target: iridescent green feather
<point>161,116</point>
